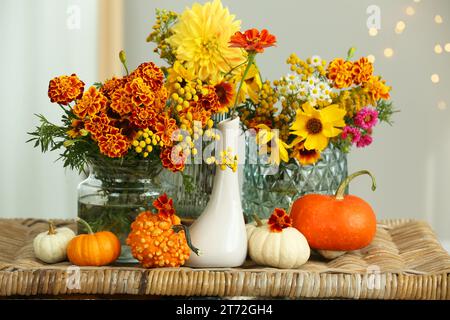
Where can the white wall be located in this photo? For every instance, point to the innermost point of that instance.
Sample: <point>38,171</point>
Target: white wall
<point>37,45</point>
<point>411,159</point>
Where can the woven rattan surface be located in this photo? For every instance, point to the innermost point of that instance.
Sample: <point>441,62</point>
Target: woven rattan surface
<point>405,261</point>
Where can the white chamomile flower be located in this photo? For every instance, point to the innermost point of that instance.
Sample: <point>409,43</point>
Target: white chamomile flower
<point>316,61</point>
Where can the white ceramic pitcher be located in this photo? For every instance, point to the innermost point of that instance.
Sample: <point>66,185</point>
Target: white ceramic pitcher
<point>220,232</point>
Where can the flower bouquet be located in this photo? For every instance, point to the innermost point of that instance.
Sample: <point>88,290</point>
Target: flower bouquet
<point>324,110</point>
<point>211,70</point>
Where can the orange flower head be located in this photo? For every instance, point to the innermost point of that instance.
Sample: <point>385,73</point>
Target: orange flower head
<point>340,72</point>
<point>113,144</point>
<point>110,86</point>
<point>97,125</point>
<point>303,155</point>
<point>151,74</point>
<point>65,89</point>
<point>362,70</point>
<point>164,205</point>
<point>172,159</point>
<point>164,127</point>
<point>377,88</point>
<point>252,40</point>
<point>91,103</point>
<point>210,100</point>
<point>121,101</point>
<point>141,93</point>
<point>279,220</point>
<point>225,94</point>
<point>76,126</point>
<point>143,117</point>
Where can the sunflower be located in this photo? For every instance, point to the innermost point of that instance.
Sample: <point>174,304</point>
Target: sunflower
<point>317,126</point>
<point>201,38</point>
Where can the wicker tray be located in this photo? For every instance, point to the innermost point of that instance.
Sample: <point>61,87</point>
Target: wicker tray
<point>405,261</point>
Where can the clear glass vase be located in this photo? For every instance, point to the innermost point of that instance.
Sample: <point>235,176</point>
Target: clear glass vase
<point>115,192</point>
<point>266,187</point>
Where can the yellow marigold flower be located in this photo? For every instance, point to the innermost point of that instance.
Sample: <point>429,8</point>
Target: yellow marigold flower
<point>90,104</point>
<point>362,70</point>
<point>65,89</point>
<point>340,72</point>
<point>377,88</point>
<point>201,40</point>
<point>317,126</point>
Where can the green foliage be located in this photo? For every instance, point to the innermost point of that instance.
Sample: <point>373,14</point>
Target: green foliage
<point>386,111</point>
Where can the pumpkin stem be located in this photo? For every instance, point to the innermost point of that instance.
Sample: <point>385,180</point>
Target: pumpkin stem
<point>257,220</point>
<point>177,228</point>
<point>341,189</point>
<point>83,222</point>
<point>51,227</point>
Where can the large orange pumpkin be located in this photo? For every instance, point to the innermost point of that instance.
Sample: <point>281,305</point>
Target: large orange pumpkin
<point>340,222</point>
<point>93,249</point>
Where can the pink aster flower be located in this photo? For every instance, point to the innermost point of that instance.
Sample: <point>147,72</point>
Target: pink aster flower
<point>366,118</point>
<point>364,141</point>
<point>352,133</point>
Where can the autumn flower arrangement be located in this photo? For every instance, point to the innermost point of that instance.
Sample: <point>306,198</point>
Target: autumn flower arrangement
<point>317,104</point>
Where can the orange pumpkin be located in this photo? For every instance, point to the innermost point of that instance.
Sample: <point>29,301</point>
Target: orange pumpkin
<point>340,222</point>
<point>93,249</point>
<point>159,240</point>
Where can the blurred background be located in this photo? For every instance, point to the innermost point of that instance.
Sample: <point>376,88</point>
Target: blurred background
<point>408,39</point>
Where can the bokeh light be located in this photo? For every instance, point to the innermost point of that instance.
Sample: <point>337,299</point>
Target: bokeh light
<point>442,105</point>
<point>373,32</point>
<point>371,58</point>
<point>388,52</point>
<point>410,11</point>
<point>400,27</point>
<point>438,19</point>
<point>447,47</point>
<point>435,78</point>
<point>438,49</point>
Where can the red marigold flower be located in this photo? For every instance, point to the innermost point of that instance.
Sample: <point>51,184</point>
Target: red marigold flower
<point>279,220</point>
<point>141,93</point>
<point>97,125</point>
<point>164,127</point>
<point>164,205</point>
<point>91,103</point>
<point>111,85</point>
<point>113,144</point>
<point>151,74</point>
<point>252,40</point>
<point>65,89</point>
<point>143,117</point>
<point>209,101</point>
<point>121,102</point>
<point>225,94</point>
<point>172,159</point>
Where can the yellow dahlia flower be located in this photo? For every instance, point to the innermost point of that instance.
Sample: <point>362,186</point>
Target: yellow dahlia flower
<point>201,38</point>
<point>317,126</point>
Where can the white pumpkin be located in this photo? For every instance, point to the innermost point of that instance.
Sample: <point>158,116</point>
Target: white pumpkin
<point>285,249</point>
<point>50,246</point>
<point>250,227</point>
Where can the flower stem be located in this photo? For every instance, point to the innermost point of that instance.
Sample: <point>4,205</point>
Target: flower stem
<point>250,61</point>
<point>51,227</point>
<point>339,195</point>
<point>83,222</point>
<point>177,228</point>
<point>257,220</point>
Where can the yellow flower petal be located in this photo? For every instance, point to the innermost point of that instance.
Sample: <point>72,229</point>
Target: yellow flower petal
<point>316,141</point>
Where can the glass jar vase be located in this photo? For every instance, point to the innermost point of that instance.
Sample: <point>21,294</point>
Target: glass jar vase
<point>115,192</point>
<point>266,187</point>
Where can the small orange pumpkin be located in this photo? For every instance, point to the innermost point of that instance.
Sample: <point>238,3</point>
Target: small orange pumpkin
<point>340,222</point>
<point>159,240</point>
<point>93,249</point>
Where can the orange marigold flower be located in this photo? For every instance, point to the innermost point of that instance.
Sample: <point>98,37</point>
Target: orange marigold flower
<point>377,88</point>
<point>362,70</point>
<point>165,127</point>
<point>279,220</point>
<point>97,125</point>
<point>198,113</point>
<point>252,40</point>
<point>76,126</point>
<point>209,101</point>
<point>340,72</point>
<point>65,89</point>
<point>121,101</point>
<point>173,159</point>
<point>151,74</point>
<point>91,103</point>
<point>141,93</point>
<point>110,86</point>
<point>164,205</point>
<point>113,144</point>
<point>225,94</point>
<point>143,117</point>
<point>303,155</point>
